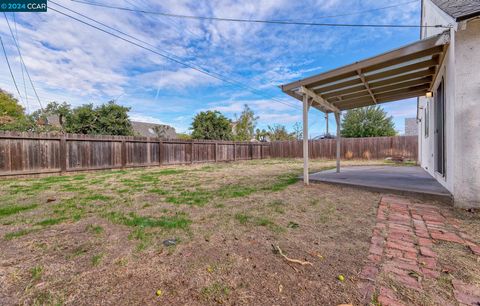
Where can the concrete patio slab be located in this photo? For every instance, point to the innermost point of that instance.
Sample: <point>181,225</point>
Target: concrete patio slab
<point>396,179</point>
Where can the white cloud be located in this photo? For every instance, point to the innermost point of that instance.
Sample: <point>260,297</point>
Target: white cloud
<point>176,80</point>
<point>145,118</point>
<point>72,62</point>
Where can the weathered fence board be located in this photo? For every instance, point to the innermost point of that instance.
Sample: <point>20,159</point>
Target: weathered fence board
<point>351,148</point>
<point>35,153</point>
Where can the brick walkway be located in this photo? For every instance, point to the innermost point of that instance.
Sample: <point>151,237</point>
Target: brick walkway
<point>401,246</point>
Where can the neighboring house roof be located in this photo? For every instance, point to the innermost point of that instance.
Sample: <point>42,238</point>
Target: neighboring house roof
<point>53,120</point>
<point>146,129</point>
<point>459,9</point>
<point>143,129</point>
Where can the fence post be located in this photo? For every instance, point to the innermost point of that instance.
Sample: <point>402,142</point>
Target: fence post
<point>216,151</point>
<point>234,151</point>
<point>160,151</point>
<point>124,153</point>
<point>250,147</point>
<point>63,154</point>
<point>191,151</point>
<point>261,151</point>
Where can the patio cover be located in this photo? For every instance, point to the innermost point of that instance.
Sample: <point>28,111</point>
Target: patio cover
<point>406,72</point>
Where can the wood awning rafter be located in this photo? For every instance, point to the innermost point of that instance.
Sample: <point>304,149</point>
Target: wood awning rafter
<point>396,74</point>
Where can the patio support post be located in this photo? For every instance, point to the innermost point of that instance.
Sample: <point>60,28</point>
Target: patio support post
<point>306,106</point>
<point>337,119</point>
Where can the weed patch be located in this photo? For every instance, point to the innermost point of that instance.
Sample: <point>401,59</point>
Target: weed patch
<point>95,229</point>
<point>236,191</point>
<point>96,259</point>
<point>242,218</point>
<point>133,220</point>
<point>158,191</point>
<point>98,197</point>
<point>36,273</point>
<point>283,182</point>
<point>50,221</point>
<point>258,221</point>
<point>215,292</point>
<point>197,197</point>
<point>15,209</point>
<point>16,234</point>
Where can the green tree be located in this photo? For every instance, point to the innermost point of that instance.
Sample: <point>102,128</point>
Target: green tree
<point>184,136</point>
<point>211,125</point>
<point>261,135</point>
<point>62,111</point>
<point>298,131</point>
<point>279,132</point>
<point>245,125</point>
<point>112,119</point>
<point>12,115</point>
<point>371,121</point>
<point>82,121</point>
<point>106,119</point>
<point>9,106</point>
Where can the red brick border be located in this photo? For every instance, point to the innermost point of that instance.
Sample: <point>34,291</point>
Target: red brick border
<point>401,245</point>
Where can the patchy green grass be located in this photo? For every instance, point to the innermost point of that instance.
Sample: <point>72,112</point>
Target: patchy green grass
<point>197,197</point>
<point>50,221</point>
<point>96,259</point>
<point>159,191</point>
<point>16,234</point>
<point>292,224</point>
<point>95,229</point>
<point>15,209</point>
<point>98,197</point>
<point>133,220</point>
<point>236,191</point>
<point>242,218</point>
<point>278,206</point>
<point>78,251</point>
<point>245,219</point>
<point>283,182</point>
<point>216,291</point>
<point>36,273</point>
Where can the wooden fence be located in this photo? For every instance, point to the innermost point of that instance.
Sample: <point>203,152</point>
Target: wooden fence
<point>351,148</point>
<point>34,153</point>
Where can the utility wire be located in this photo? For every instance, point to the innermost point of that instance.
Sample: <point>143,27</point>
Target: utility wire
<point>10,68</point>
<point>284,22</point>
<point>170,56</point>
<point>23,63</point>
<point>21,66</point>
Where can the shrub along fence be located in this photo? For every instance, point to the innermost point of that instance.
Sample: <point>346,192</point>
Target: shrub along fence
<point>37,153</point>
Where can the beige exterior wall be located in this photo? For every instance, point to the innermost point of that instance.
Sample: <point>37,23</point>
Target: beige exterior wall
<point>467,116</point>
<point>461,74</point>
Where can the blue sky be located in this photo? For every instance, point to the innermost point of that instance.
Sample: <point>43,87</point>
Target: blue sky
<point>69,61</point>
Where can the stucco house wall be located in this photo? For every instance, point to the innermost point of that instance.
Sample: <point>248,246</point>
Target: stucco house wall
<point>460,71</point>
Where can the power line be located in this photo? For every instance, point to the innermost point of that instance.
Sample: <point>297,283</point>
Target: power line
<point>23,63</point>
<point>170,57</point>
<point>10,68</point>
<point>21,66</point>
<point>283,22</point>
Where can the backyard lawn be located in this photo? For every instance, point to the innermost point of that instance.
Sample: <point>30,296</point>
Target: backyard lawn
<point>199,235</point>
